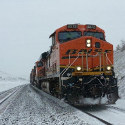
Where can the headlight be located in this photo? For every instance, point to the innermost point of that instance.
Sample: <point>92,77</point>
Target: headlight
<point>88,43</point>
<point>78,68</point>
<point>108,68</point>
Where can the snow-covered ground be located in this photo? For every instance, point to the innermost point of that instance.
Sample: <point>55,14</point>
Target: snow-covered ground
<point>119,60</point>
<point>5,85</point>
<point>32,108</point>
<point>9,77</point>
<point>8,81</point>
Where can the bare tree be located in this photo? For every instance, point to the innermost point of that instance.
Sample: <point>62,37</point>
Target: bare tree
<point>122,45</point>
<point>118,47</point>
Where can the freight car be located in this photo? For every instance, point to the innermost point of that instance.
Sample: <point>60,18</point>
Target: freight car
<point>78,67</point>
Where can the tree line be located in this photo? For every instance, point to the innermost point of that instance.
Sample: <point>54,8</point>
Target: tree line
<point>121,46</point>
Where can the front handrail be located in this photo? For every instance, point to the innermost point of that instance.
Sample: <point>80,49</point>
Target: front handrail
<point>64,71</point>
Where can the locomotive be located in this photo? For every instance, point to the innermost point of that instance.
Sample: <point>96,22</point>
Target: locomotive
<point>78,67</point>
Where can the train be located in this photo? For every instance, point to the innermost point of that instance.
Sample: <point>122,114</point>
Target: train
<point>78,67</point>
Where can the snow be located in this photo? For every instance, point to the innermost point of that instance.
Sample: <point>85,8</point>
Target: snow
<point>113,116</point>
<point>30,107</point>
<point>119,59</point>
<point>91,101</point>
<point>8,81</point>
<point>8,77</point>
<point>26,106</point>
<point>120,104</point>
<point>5,85</point>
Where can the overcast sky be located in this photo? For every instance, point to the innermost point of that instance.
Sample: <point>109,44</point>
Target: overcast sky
<point>25,26</point>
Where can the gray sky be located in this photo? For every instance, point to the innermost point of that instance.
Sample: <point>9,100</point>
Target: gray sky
<point>25,26</point>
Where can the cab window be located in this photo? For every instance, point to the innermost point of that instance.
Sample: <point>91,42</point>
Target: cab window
<point>68,35</point>
<point>98,35</point>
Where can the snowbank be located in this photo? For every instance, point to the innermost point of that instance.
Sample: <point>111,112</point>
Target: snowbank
<point>119,60</point>
<point>8,81</point>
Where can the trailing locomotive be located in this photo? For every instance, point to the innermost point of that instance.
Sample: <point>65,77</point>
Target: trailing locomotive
<point>78,66</point>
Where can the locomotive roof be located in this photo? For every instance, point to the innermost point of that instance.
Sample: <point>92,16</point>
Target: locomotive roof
<point>78,27</point>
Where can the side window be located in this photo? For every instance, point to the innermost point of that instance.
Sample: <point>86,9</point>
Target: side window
<point>53,39</point>
<point>40,64</point>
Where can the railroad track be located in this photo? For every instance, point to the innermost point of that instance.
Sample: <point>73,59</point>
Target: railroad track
<point>7,96</point>
<point>116,108</point>
<point>6,91</point>
<point>90,114</point>
<point>99,112</point>
<point>1,93</point>
<point>103,121</point>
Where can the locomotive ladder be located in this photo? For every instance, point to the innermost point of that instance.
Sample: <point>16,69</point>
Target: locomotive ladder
<point>64,71</point>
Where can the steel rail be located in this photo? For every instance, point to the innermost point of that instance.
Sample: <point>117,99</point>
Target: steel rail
<point>103,121</point>
<point>8,96</point>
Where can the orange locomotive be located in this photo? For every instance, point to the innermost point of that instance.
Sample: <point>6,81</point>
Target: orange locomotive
<point>78,66</point>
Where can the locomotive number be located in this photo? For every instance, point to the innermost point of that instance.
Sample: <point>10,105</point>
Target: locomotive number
<point>72,26</point>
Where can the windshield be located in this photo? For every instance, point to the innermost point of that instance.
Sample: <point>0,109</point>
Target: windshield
<point>66,36</point>
<point>98,35</point>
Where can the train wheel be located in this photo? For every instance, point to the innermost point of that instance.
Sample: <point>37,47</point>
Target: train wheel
<point>39,84</point>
